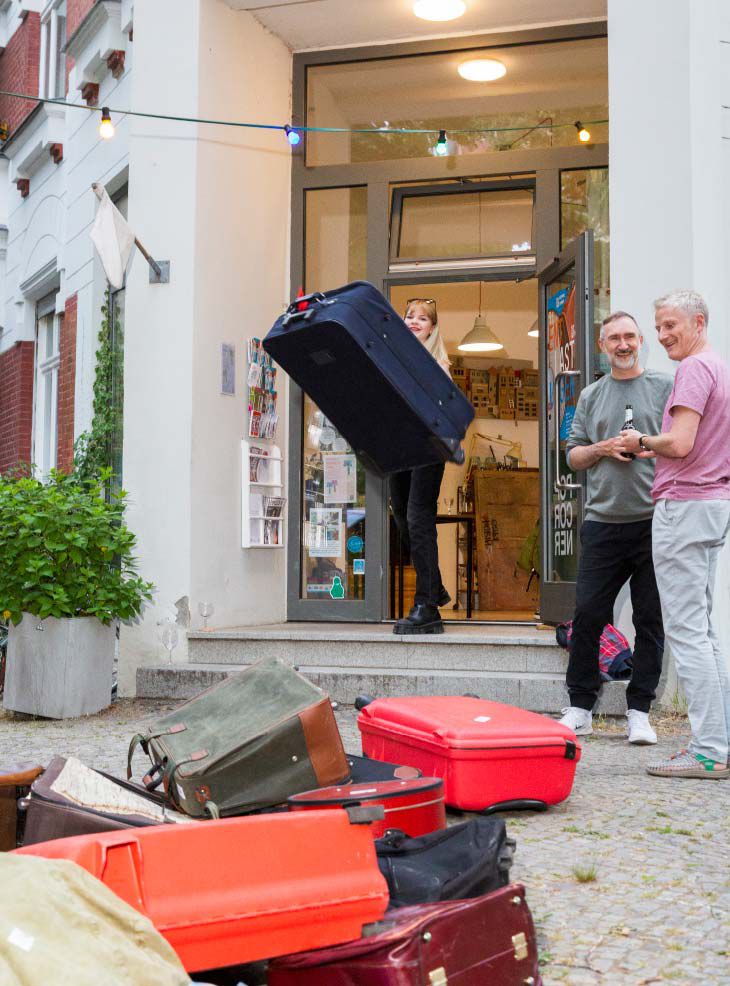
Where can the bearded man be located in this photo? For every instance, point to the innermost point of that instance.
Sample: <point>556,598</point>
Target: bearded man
<point>615,538</point>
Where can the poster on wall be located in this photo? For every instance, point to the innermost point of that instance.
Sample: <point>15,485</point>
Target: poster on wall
<point>340,478</point>
<point>562,356</point>
<point>325,532</point>
<point>228,369</point>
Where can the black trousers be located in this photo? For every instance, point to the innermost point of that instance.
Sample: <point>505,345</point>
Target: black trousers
<point>612,554</point>
<point>414,501</point>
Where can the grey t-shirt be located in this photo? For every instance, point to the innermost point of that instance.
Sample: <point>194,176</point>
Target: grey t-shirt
<point>619,493</point>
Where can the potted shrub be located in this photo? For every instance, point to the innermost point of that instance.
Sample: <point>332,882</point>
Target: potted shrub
<point>67,575</point>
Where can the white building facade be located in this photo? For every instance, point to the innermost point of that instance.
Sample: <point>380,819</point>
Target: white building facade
<point>224,206</point>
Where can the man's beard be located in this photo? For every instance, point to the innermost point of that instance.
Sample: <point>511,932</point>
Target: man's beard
<point>624,362</point>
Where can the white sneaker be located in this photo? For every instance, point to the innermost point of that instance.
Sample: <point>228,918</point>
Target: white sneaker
<point>639,728</point>
<point>579,720</point>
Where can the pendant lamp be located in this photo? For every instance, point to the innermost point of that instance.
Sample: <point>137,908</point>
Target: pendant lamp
<point>481,338</point>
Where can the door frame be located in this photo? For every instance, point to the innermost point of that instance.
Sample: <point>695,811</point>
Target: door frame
<point>379,177</point>
<point>557,599</point>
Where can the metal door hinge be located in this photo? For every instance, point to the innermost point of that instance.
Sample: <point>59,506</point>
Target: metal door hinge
<point>438,977</point>
<point>519,943</point>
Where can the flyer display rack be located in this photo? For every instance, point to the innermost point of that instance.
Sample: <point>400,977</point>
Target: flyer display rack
<point>263,506</point>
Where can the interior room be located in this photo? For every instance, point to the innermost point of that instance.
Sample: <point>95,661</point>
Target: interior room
<point>496,490</point>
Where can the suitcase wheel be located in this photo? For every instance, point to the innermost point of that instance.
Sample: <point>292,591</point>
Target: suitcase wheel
<point>521,804</point>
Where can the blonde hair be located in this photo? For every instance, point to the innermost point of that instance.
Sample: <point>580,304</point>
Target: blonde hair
<point>434,344</point>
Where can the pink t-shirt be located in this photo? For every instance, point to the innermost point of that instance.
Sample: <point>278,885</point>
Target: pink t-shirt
<point>702,384</point>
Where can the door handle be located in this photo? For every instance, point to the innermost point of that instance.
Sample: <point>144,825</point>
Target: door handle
<point>556,425</point>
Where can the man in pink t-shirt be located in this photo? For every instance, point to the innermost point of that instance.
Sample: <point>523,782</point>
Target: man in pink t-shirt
<point>691,523</point>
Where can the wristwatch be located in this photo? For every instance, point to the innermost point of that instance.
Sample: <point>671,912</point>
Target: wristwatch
<point>641,444</point>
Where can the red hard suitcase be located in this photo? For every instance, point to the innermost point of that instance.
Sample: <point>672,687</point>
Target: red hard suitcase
<point>485,941</point>
<point>416,807</point>
<point>241,889</point>
<point>490,755</point>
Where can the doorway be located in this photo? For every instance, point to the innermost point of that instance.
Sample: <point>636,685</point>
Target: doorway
<point>489,507</point>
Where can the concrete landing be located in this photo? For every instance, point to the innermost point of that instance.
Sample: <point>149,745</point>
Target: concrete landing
<point>520,665</point>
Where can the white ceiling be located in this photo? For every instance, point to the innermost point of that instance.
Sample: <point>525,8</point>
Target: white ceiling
<point>309,24</point>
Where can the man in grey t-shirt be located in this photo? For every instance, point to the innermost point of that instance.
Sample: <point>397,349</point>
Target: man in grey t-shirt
<point>616,533</point>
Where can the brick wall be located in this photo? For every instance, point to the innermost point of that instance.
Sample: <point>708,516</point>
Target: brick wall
<point>76,10</point>
<point>16,404</point>
<point>67,387</point>
<point>19,71</point>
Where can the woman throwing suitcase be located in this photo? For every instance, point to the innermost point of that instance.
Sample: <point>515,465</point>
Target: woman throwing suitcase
<point>414,497</point>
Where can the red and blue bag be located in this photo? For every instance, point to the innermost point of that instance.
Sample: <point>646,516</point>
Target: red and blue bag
<point>615,657</point>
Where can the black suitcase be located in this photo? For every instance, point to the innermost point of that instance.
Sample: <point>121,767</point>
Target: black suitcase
<point>461,861</point>
<point>355,357</point>
<point>363,770</point>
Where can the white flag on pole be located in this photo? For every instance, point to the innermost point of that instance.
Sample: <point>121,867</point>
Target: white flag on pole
<point>112,237</point>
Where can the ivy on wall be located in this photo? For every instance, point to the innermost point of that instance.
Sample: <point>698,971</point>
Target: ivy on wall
<point>94,450</point>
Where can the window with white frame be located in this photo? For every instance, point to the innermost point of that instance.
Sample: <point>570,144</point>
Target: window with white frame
<point>47,360</point>
<point>52,75</point>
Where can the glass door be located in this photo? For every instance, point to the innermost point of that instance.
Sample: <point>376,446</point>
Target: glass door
<point>566,355</point>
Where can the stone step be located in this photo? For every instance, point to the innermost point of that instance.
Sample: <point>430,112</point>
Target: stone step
<point>519,664</point>
<point>511,650</point>
<point>537,691</point>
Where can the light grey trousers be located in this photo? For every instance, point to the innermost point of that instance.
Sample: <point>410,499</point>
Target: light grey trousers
<point>687,537</point>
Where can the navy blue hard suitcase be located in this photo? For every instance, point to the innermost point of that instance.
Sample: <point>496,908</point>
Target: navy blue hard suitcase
<point>354,356</point>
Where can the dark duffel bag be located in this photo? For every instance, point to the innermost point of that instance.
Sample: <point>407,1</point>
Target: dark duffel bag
<point>462,861</point>
<point>487,941</point>
<point>366,371</point>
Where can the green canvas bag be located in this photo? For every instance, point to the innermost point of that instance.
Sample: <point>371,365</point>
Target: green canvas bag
<point>249,742</point>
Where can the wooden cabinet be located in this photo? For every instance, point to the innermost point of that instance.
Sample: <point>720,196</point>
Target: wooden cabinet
<point>507,508</point>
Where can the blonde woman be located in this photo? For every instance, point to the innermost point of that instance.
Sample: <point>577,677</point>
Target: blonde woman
<point>414,497</point>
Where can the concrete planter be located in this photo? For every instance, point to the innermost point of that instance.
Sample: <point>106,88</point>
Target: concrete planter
<point>59,668</point>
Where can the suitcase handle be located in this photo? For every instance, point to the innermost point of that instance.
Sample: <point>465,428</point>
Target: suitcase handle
<point>149,780</point>
<point>301,307</point>
<point>305,299</point>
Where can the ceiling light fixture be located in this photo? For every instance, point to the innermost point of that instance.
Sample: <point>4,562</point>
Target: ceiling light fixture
<point>439,10</point>
<point>481,338</point>
<point>482,70</point>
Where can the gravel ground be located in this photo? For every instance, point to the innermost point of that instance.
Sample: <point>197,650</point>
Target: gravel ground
<point>619,879</point>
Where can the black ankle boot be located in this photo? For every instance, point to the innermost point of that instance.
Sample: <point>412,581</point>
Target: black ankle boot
<point>421,619</point>
<point>443,597</point>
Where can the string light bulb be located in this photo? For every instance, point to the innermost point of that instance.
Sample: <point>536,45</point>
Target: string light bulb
<point>292,135</point>
<point>534,330</point>
<point>106,127</point>
<point>442,147</point>
<point>584,135</point>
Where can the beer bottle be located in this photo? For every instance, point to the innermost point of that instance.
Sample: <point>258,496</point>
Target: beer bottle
<point>628,426</point>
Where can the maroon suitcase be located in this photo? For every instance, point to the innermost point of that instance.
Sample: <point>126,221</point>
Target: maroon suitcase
<point>485,941</point>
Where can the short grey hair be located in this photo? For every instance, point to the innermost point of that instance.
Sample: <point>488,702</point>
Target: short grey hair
<point>689,302</point>
<point>613,317</point>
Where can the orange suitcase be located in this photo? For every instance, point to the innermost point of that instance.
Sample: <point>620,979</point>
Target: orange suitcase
<point>241,889</point>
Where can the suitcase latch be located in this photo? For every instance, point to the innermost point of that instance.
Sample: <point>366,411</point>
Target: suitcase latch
<point>519,943</point>
<point>437,977</point>
<point>570,750</point>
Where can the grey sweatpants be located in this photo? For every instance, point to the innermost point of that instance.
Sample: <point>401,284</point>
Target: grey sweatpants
<point>687,537</point>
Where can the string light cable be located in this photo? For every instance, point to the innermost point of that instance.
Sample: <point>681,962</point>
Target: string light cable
<point>292,132</point>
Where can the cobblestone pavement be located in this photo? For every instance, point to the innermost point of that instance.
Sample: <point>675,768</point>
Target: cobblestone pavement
<point>628,880</point>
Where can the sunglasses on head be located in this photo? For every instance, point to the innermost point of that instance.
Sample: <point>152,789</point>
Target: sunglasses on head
<point>425,301</point>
